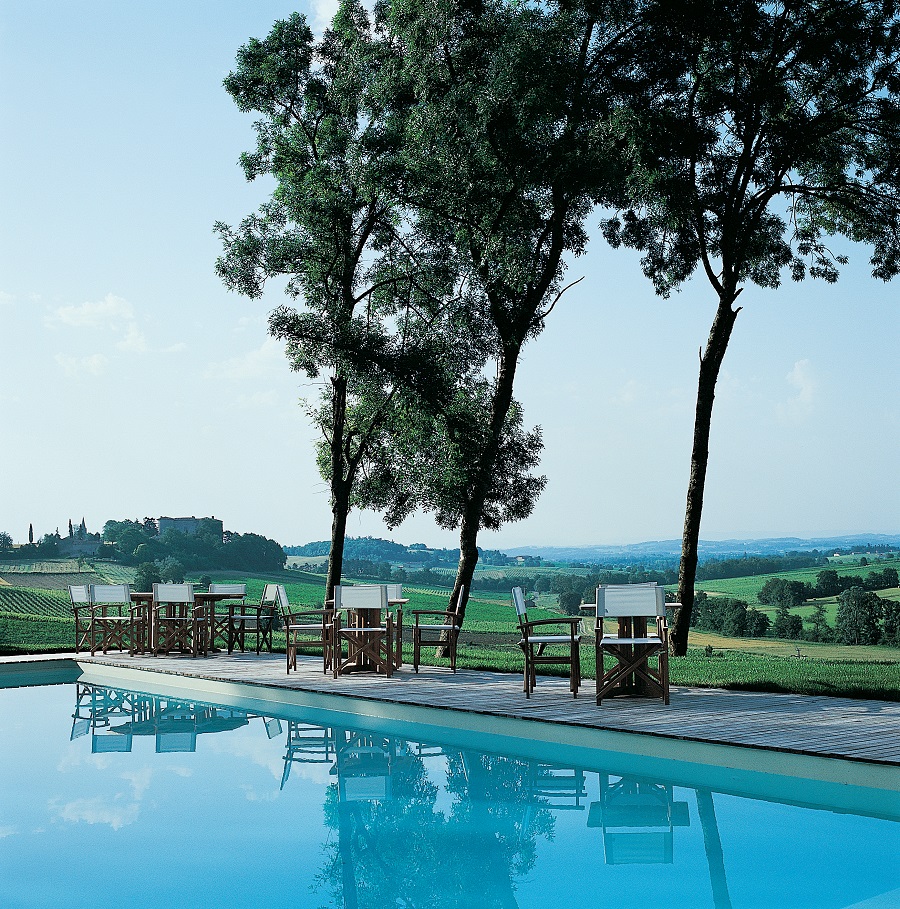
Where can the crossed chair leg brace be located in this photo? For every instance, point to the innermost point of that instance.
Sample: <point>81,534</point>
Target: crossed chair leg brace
<point>631,673</point>
<point>364,646</point>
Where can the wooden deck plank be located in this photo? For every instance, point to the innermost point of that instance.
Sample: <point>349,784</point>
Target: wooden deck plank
<point>813,725</point>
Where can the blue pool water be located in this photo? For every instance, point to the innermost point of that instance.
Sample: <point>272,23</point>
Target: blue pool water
<point>110,798</point>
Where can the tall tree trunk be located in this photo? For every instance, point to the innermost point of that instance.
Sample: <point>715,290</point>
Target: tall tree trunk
<point>710,364</point>
<point>472,514</point>
<point>339,510</point>
<point>468,554</point>
<point>340,487</point>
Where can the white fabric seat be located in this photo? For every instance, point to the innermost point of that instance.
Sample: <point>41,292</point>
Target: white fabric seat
<point>551,639</point>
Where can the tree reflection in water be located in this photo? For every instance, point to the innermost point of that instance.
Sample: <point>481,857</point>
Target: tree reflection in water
<point>396,846</point>
<point>424,825</point>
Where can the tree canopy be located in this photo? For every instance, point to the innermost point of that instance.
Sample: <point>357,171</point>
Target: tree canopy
<point>779,134</point>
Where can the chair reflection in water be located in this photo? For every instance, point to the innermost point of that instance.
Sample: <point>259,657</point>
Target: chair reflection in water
<point>108,714</point>
<point>364,767</point>
<point>638,818</point>
<point>307,744</point>
<point>114,716</point>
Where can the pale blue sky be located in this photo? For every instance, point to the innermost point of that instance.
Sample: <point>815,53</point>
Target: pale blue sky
<point>132,383</point>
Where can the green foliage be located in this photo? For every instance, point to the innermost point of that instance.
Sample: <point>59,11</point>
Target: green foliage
<point>136,542</point>
<point>146,576</point>
<point>858,617</point>
<point>781,593</point>
<point>728,616</point>
<point>787,626</point>
<point>171,570</point>
<point>372,293</point>
<point>28,633</point>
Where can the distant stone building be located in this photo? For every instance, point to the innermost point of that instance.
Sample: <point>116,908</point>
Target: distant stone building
<point>79,542</point>
<point>188,526</point>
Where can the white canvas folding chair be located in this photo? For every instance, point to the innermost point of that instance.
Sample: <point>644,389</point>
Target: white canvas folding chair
<point>224,614</point>
<point>534,644</point>
<point>441,631</point>
<point>113,620</point>
<point>79,596</point>
<point>364,768</point>
<point>305,626</point>
<point>177,622</point>
<point>257,621</point>
<point>358,614</point>
<point>634,645</point>
<point>638,818</point>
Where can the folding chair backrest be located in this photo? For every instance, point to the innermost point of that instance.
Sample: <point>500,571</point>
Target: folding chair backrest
<point>457,605</point>
<point>615,600</point>
<point>361,597</point>
<point>232,590</point>
<point>173,593</point>
<point>394,591</point>
<point>518,596</point>
<point>282,600</point>
<point>107,594</point>
<point>269,595</point>
<point>79,594</point>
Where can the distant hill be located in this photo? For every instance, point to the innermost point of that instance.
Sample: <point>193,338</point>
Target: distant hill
<point>708,549</point>
<point>659,553</point>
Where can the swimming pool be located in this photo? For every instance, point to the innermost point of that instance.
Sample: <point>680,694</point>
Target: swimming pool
<point>115,797</point>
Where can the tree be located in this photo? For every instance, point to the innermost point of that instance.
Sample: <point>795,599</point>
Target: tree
<point>146,576</point>
<point>48,546</point>
<point>334,227</point>
<point>171,570</point>
<point>827,583</point>
<point>30,533</point>
<point>509,144</point>
<point>858,617</point>
<point>786,625</point>
<point>782,132</point>
<point>891,622</point>
<point>820,630</point>
<point>6,541</point>
<point>781,592</point>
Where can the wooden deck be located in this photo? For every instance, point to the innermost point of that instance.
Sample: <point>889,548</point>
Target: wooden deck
<point>855,730</point>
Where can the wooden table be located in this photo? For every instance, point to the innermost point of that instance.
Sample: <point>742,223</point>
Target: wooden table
<point>144,600</point>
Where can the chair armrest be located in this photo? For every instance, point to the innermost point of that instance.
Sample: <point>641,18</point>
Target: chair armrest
<point>562,620</point>
<point>441,612</point>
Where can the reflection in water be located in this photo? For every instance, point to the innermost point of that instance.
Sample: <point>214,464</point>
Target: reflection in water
<point>427,825</point>
<point>396,836</point>
<point>113,716</point>
<point>638,818</point>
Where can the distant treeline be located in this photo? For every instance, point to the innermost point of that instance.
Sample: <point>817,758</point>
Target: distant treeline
<point>377,551</point>
<point>137,543</point>
<point>717,569</point>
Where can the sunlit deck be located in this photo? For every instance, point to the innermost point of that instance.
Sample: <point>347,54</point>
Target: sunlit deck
<point>857,730</point>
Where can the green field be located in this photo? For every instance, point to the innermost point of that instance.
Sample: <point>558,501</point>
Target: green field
<point>747,588</point>
<point>35,620</point>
